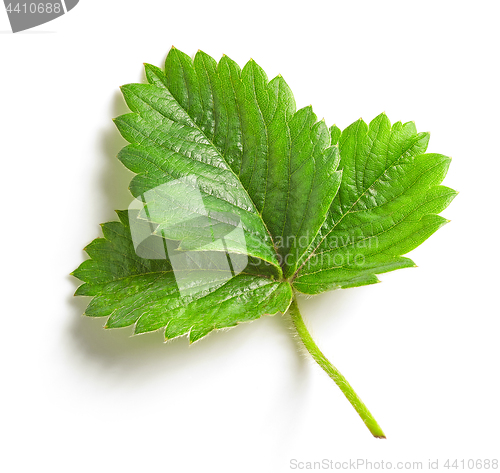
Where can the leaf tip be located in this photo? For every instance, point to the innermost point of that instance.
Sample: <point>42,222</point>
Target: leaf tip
<point>167,338</point>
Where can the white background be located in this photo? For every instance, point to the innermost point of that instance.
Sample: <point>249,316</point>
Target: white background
<point>421,349</point>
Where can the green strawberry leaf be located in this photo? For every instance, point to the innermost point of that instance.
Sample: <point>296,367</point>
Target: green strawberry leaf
<point>386,206</point>
<point>241,201</point>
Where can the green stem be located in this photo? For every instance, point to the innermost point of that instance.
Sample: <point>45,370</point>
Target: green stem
<point>331,371</point>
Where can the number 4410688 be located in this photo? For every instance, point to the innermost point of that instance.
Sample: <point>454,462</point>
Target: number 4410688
<point>34,8</point>
<point>472,464</point>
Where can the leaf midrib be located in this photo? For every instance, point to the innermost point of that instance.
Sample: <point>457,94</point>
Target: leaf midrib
<point>380,233</point>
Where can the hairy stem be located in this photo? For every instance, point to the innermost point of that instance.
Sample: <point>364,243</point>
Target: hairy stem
<point>341,382</point>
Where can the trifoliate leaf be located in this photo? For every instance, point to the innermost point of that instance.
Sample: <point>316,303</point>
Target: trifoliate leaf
<point>240,199</point>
